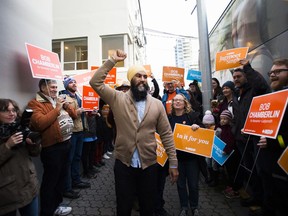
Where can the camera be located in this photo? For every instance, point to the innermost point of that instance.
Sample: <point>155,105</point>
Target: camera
<point>21,125</point>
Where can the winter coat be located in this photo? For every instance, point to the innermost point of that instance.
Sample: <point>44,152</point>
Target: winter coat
<point>255,86</point>
<point>19,183</point>
<point>130,133</point>
<point>45,120</point>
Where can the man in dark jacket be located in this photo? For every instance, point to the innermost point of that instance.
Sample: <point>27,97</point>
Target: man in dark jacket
<point>248,83</point>
<point>275,180</point>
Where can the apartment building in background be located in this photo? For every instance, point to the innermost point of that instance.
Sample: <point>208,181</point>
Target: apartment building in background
<point>187,53</point>
<point>86,32</point>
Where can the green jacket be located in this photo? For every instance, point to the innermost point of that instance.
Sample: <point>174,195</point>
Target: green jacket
<point>18,179</point>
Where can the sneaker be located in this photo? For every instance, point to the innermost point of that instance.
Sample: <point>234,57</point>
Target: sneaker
<point>110,153</point>
<point>93,169</point>
<point>98,165</point>
<point>161,212</point>
<point>184,212</point>
<point>227,190</point>
<point>90,175</point>
<point>63,210</point>
<point>195,212</point>
<point>257,211</point>
<point>71,194</point>
<point>81,185</point>
<point>105,156</point>
<point>250,202</point>
<point>102,163</point>
<point>232,195</point>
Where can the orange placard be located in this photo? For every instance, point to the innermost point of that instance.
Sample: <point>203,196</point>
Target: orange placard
<point>283,161</point>
<point>173,73</point>
<point>111,77</point>
<point>265,114</point>
<point>43,63</point>
<point>198,142</point>
<point>230,58</point>
<point>82,79</point>
<point>90,99</point>
<point>161,153</point>
<point>148,70</point>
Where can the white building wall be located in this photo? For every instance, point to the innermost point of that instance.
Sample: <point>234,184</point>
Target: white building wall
<point>20,22</point>
<point>93,19</point>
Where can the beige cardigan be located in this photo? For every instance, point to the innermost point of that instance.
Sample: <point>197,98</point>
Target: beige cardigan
<point>131,134</point>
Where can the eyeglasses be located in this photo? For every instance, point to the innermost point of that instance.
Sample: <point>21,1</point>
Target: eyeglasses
<point>8,111</point>
<point>276,72</point>
<point>180,100</point>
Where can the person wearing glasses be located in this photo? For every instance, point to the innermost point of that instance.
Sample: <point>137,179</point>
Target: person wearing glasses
<point>19,184</point>
<point>274,179</point>
<point>173,88</point>
<point>248,84</point>
<point>188,164</point>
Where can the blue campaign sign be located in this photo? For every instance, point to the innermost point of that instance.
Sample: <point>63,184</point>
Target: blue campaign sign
<point>217,151</point>
<point>194,75</point>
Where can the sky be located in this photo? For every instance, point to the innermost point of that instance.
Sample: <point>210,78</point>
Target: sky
<point>173,16</point>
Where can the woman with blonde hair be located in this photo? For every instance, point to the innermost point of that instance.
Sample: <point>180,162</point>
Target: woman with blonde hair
<point>188,163</point>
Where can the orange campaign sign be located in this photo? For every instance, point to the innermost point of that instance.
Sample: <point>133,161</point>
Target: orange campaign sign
<point>230,58</point>
<point>266,113</point>
<point>90,99</point>
<point>161,153</point>
<point>111,77</point>
<point>198,142</point>
<point>148,70</point>
<point>173,73</point>
<point>283,161</point>
<point>43,63</point>
<point>83,79</point>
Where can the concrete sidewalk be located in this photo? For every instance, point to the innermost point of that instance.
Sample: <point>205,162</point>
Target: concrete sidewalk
<point>100,198</point>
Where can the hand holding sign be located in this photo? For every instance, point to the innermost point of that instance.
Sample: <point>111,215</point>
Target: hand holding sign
<point>244,62</point>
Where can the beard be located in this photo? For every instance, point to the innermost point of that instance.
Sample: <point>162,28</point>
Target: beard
<point>277,84</point>
<point>139,91</point>
<point>71,89</point>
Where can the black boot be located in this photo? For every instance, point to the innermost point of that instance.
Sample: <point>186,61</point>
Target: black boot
<point>214,182</point>
<point>210,176</point>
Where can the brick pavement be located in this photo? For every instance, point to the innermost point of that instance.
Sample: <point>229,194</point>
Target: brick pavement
<point>100,199</point>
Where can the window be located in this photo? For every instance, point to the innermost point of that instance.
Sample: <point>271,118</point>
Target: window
<point>110,43</point>
<point>73,53</point>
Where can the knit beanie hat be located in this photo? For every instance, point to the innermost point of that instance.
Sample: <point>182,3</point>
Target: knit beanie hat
<point>208,118</point>
<point>227,114</point>
<point>67,80</point>
<point>229,84</point>
<point>134,70</point>
<point>195,83</point>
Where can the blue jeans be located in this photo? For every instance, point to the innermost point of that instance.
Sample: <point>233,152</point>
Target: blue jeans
<point>73,175</point>
<point>188,174</point>
<point>29,210</point>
